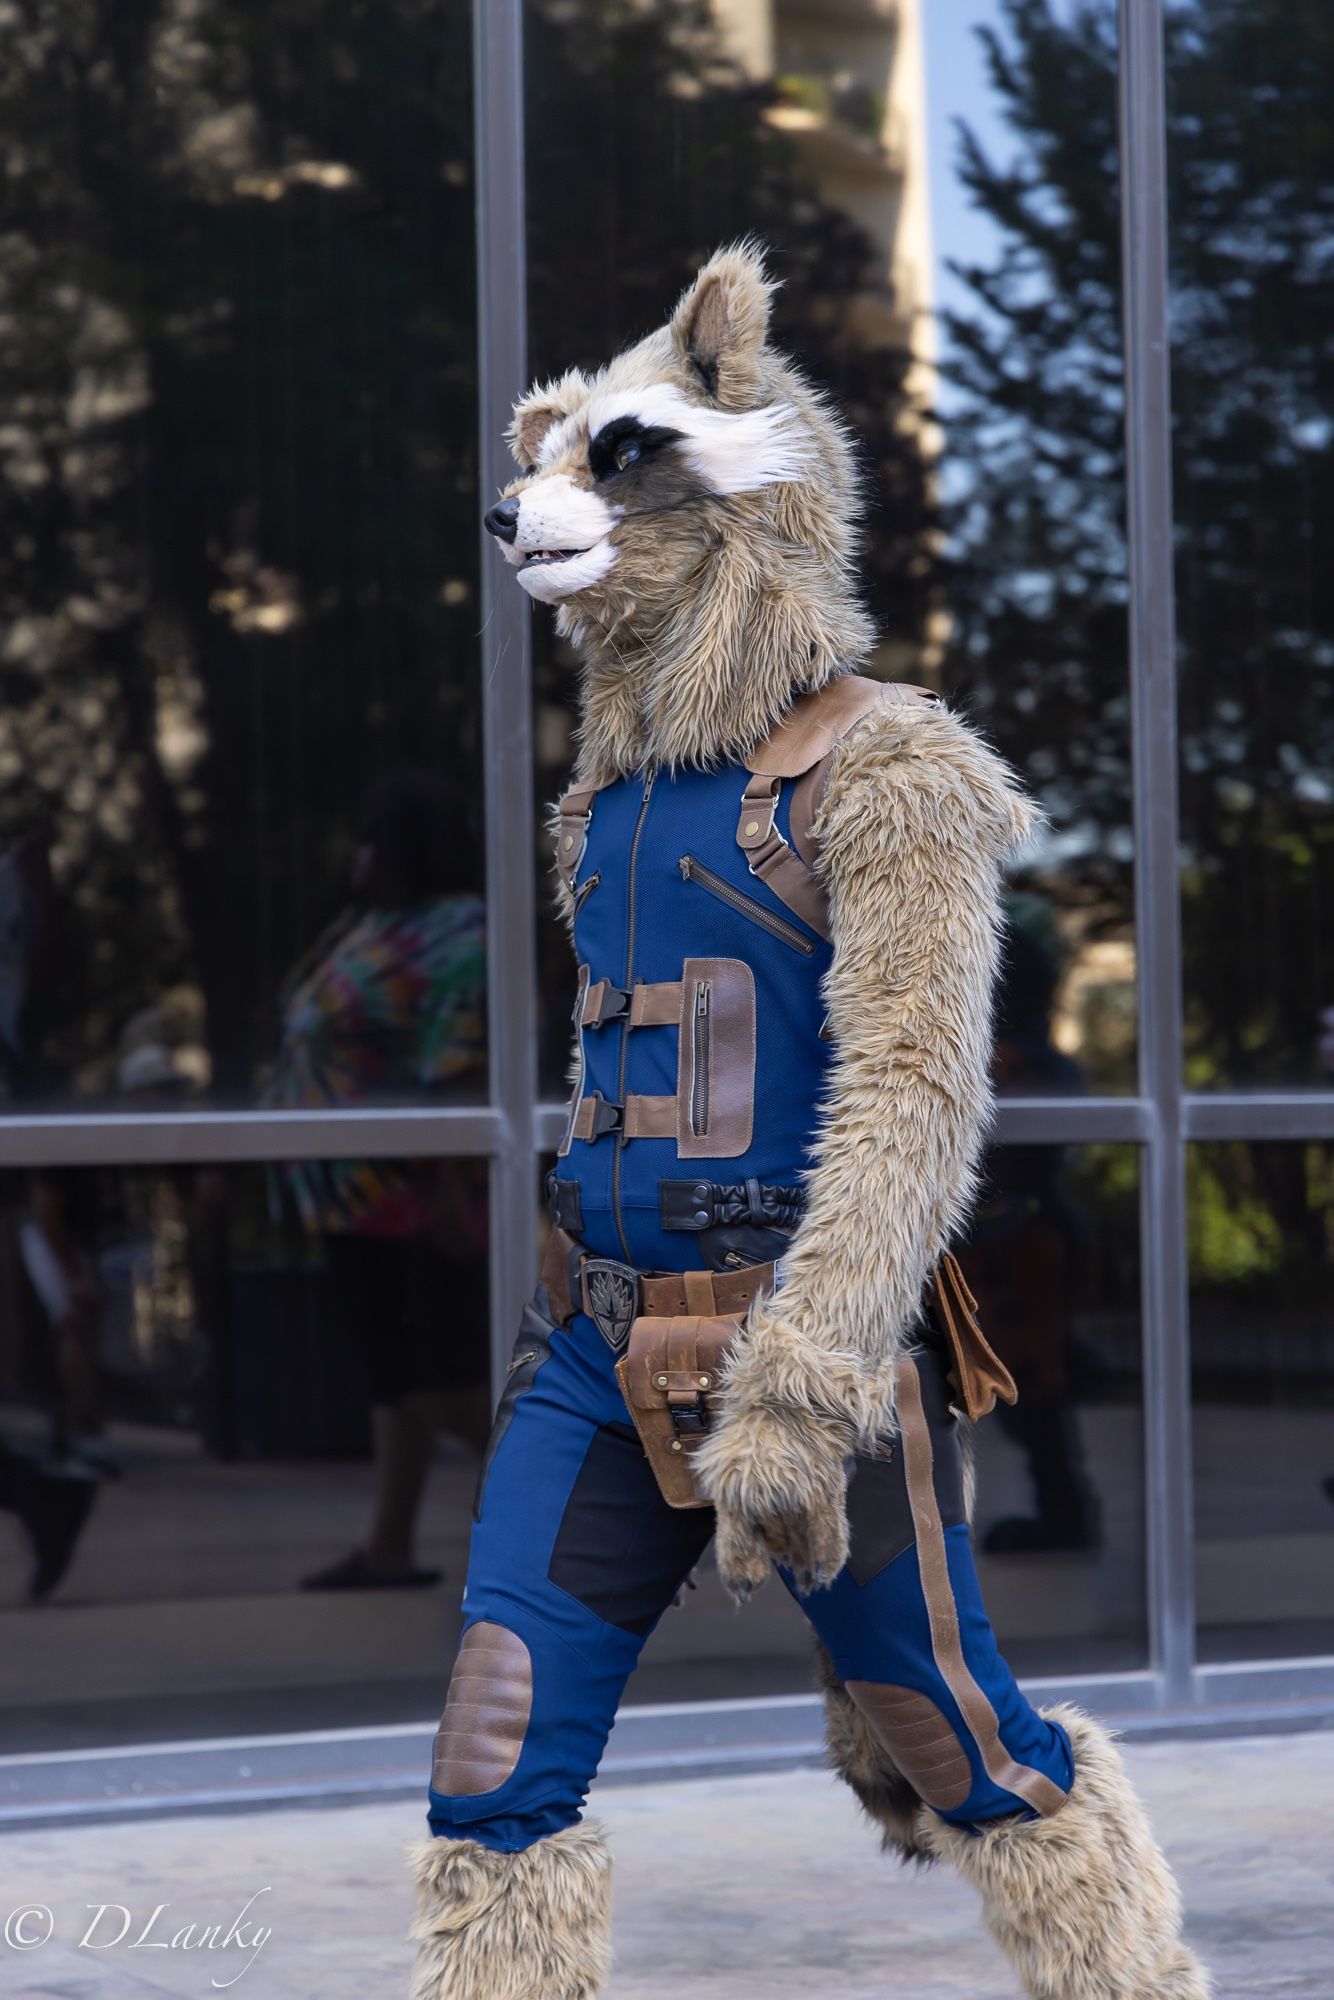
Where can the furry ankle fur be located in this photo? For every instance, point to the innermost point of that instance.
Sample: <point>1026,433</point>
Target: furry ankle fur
<point>529,1926</point>
<point>1083,1904</point>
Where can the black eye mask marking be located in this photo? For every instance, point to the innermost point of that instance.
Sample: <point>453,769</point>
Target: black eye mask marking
<point>622,431</point>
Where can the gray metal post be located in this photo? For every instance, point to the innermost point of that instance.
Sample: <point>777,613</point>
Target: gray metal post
<point>506,667</point>
<point>1148,421</point>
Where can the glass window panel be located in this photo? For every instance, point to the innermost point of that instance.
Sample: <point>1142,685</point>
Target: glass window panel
<point>1262,1351</point>
<point>251,1374</point>
<point>239,683</point>
<point>1251,163</point>
<point>1054,1262</point>
<point>938,185</point>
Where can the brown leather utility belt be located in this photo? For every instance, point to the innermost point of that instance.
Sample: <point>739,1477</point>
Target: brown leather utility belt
<point>615,1294</point>
<point>677,1326</point>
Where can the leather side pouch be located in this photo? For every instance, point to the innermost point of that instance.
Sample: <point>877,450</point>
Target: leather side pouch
<point>976,1370</point>
<point>669,1378</point>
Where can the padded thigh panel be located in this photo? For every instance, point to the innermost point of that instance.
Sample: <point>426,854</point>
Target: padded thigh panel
<point>486,1713</point>
<point>880,1521</point>
<point>621,1551</point>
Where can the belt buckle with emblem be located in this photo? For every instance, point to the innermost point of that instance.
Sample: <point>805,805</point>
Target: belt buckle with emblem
<point>611,1295</point>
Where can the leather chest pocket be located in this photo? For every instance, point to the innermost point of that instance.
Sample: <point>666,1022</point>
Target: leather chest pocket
<point>532,1350</point>
<point>715,1090</point>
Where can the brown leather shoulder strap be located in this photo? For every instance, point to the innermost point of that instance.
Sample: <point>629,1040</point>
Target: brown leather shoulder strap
<point>800,747</point>
<point>573,815</point>
<point>814,724</point>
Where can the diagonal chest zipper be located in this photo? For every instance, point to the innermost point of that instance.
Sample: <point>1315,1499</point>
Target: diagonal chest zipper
<point>746,906</point>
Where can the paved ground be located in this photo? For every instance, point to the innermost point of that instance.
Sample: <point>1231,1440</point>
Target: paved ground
<point>745,1889</point>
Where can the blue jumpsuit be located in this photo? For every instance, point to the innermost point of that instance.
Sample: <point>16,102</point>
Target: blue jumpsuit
<point>575,1556</point>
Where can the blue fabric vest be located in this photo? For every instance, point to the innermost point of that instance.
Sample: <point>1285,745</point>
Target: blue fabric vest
<point>663,893</point>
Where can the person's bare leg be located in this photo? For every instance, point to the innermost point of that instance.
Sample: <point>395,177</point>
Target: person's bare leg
<point>463,1413</point>
<point>404,1443</point>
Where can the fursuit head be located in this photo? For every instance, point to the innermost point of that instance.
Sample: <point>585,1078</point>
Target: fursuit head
<point>691,512</point>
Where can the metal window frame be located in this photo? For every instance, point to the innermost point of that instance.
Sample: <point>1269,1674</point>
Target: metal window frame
<point>512,1129</point>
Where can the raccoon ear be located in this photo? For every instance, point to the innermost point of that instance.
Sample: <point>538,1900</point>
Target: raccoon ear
<point>721,322</point>
<point>535,413</point>
<point>529,425</point>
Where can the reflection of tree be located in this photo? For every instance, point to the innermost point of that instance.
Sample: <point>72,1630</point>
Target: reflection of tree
<point>1040,589</point>
<point>236,466</point>
<point>646,149</point>
<point>1037,593</point>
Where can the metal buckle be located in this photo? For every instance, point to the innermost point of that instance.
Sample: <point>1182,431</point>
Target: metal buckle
<point>611,1298</point>
<point>689,1419</point>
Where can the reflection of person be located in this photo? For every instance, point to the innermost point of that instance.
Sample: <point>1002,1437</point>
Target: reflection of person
<point>389,1004</point>
<point>51,1506</point>
<point>776,1062</point>
<point>1025,1250</point>
<point>57,1236</point>
<point>56,1226</point>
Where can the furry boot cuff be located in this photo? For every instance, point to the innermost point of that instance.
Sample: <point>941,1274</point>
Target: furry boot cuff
<point>529,1926</point>
<point>1083,1904</point>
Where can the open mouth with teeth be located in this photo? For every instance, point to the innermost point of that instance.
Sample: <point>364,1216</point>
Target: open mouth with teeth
<point>534,557</point>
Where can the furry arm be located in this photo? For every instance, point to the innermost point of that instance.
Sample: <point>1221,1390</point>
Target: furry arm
<point>918,820</point>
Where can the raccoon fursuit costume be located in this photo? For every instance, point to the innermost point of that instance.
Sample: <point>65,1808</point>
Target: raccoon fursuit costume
<point>783,881</point>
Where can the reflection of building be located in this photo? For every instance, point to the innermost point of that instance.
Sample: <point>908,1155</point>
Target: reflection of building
<point>850,87</point>
<point>852,98</point>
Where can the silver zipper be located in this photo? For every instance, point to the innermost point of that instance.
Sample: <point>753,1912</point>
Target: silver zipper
<point>625,1025</point>
<point>695,871</point>
<point>519,1363</point>
<point>699,1064</point>
<point>584,890</point>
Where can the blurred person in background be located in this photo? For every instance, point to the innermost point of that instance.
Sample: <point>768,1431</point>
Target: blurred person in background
<point>390,1004</point>
<point>50,1502</point>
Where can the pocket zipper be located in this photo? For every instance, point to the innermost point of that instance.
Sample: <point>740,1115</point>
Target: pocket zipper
<point>584,890</point>
<point>695,871</point>
<point>521,1360</point>
<point>699,1069</point>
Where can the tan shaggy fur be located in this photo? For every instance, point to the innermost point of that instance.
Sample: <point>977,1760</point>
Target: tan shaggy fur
<point>918,819</point>
<point>1083,1904</point>
<point>529,1926</point>
<point>718,614</point>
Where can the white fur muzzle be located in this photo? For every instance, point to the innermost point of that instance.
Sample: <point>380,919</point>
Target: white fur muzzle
<point>558,518</point>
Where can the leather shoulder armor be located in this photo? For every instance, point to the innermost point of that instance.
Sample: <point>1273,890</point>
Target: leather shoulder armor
<point>800,748</point>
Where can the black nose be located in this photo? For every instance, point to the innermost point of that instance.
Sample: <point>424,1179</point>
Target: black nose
<point>502,520</point>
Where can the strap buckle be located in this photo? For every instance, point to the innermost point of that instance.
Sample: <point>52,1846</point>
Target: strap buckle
<point>613,1004</point>
<point>689,1419</point>
<point>606,1116</point>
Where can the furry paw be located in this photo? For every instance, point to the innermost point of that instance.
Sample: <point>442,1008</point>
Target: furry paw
<point>777,1480</point>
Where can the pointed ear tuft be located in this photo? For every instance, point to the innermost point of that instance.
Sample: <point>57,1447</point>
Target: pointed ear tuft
<point>535,413</point>
<point>532,420</point>
<point>721,322</point>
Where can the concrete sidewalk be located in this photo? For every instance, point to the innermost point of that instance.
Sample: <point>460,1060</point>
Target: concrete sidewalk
<point>737,1889</point>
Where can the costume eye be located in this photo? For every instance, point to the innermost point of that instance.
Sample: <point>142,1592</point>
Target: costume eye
<point>627,453</point>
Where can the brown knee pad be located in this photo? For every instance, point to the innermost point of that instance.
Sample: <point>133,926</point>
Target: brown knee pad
<point>865,1763</point>
<point>490,1699</point>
